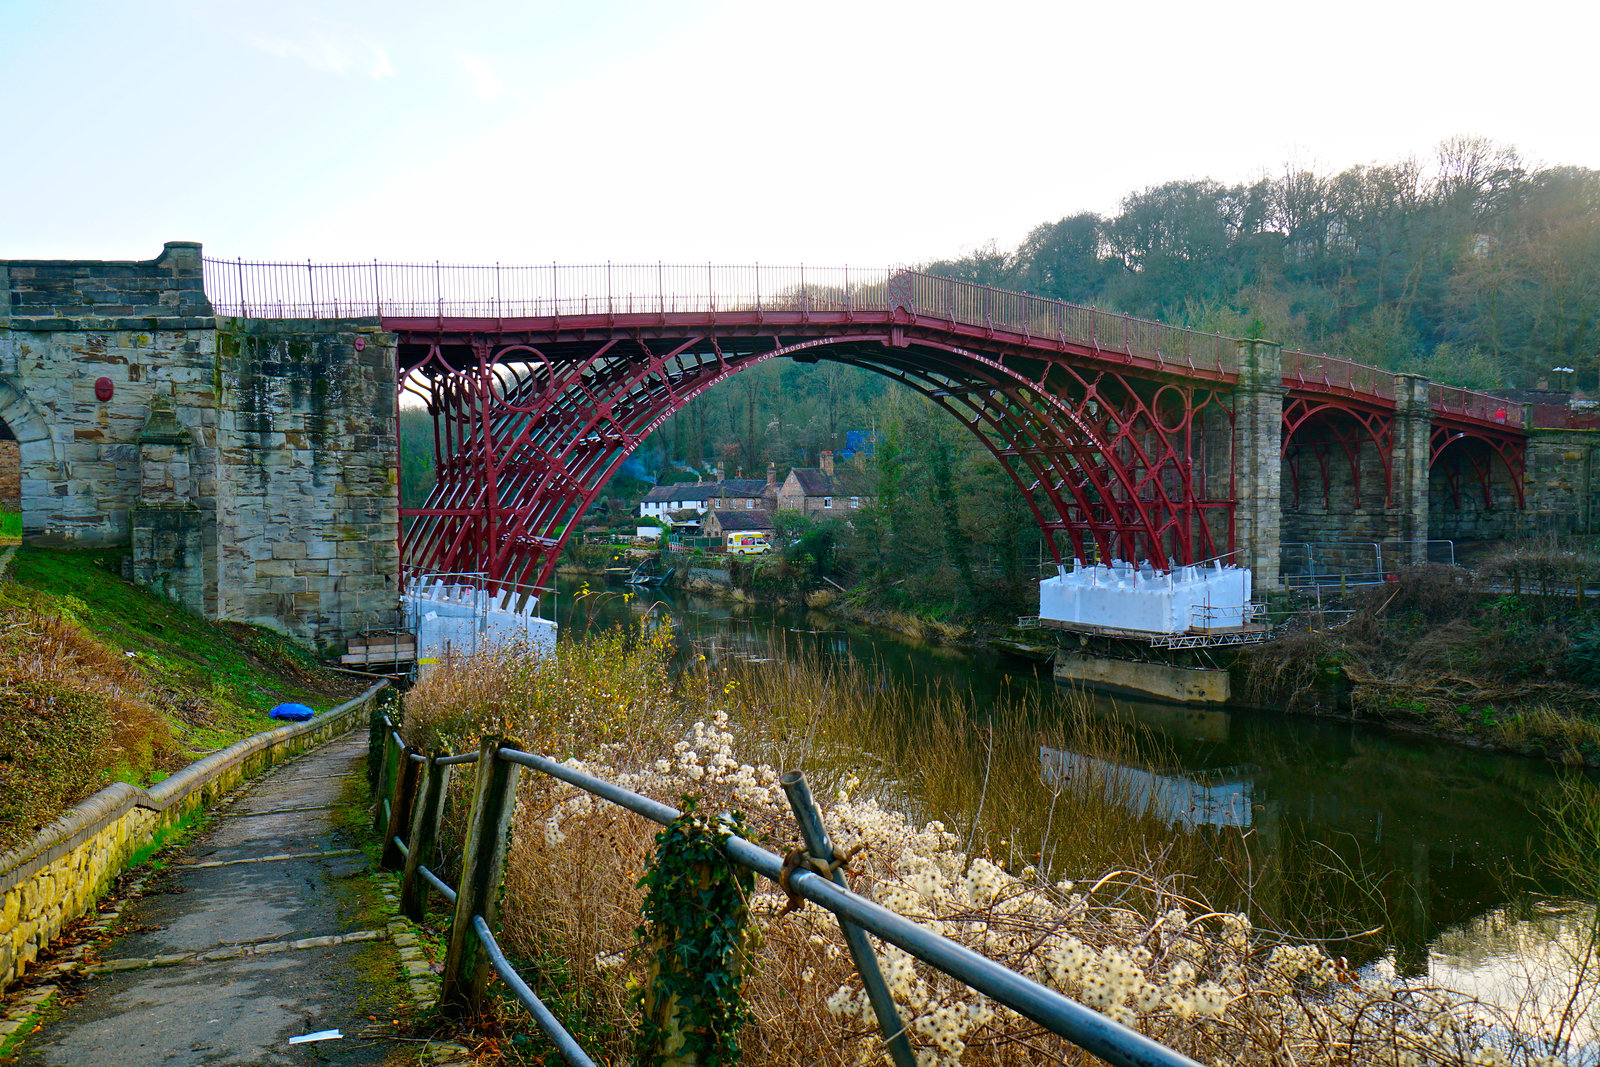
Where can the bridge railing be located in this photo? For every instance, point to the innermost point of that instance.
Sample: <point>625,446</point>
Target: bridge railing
<point>453,290</point>
<point>410,786</point>
<point>1565,417</point>
<point>501,291</point>
<point>440,290</point>
<point>1473,405</point>
<point>1035,316</point>
<point>1310,370</point>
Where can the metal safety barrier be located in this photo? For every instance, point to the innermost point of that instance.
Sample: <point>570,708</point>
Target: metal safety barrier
<point>559,291</point>
<point>411,788</point>
<point>515,291</point>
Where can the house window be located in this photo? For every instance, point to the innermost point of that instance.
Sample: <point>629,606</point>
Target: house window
<point>855,502</point>
<point>748,504</point>
<point>827,501</point>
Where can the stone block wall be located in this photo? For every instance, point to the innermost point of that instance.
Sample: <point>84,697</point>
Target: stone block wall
<point>80,454</point>
<point>1257,432</point>
<point>73,294</point>
<point>275,439</point>
<point>308,510</point>
<point>52,879</point>
<point>1462,514</point>
<point>1344,504</point>
<point>147,330</point>
<point>1562,483</point>
<point>10,476</point>
<point>1325,512</point>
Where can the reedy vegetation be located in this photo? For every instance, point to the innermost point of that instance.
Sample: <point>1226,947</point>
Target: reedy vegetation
<point>1504,652</point>
<point>1114,924</point>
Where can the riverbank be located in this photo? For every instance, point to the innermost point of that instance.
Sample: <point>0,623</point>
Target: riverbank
<point>1085,888</point>
<point>836,603</point>
<point>1444,653</point>
<point>1440,653</point>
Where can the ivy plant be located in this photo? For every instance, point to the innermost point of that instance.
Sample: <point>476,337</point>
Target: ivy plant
<point>697,942</point>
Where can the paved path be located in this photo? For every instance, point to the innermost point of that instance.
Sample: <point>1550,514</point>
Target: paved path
<point>269,927</point>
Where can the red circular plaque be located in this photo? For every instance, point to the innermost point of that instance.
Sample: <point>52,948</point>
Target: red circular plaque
<point>103,389</point>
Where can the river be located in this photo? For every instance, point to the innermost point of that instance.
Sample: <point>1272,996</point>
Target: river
<point>1449,845</point>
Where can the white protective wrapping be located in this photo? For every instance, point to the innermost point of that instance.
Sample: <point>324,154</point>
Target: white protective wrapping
<point>1125,597</point>
<point>461,620</point>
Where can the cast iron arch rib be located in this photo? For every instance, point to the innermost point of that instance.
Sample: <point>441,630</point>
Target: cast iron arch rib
<point>529,428</point>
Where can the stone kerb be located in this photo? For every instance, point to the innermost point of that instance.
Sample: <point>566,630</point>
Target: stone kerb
<point>55,877</point>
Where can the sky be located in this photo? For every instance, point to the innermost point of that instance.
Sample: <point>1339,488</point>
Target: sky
<point>832,132</point>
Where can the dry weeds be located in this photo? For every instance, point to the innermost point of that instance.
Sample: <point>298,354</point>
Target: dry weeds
<point>1136,944</point>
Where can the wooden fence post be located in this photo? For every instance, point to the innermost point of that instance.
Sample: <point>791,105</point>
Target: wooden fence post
<point>494,802</point>
<point>405,792</point>
<point>377,733</point>
<point>424,831</point>
<point>393,754</point>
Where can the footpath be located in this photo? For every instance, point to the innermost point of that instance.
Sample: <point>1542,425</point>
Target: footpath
<point>267,929</point>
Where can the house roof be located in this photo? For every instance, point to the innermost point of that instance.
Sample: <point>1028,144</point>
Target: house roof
<point>813,481</point>
<point>744,520</point>
<point>816,482</point>
<point>853,483</point>
<point>744,486</point>
<point>687,515</point>
<point>663,494</point>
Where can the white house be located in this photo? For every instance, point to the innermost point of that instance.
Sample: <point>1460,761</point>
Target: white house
<point>661,501</point>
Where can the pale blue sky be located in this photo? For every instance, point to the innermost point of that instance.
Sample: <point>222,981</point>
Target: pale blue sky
<point>830,132</point>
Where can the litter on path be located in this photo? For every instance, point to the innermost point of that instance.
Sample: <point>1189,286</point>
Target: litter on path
<point>320,1035</point>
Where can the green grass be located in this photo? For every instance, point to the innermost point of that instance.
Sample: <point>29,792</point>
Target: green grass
<point>234,670</point>
<point>103,681</point>
<point>10,526</point>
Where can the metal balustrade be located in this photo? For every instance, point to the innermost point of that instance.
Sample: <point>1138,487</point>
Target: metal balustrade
<point>557,291</point>
<point>554,291</point>
<point>411,787</point>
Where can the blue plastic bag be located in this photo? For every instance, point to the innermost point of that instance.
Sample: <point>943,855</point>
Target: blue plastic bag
<point>291,712</point>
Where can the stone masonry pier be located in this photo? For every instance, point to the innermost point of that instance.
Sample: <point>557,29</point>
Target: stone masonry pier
<point>249,463</point>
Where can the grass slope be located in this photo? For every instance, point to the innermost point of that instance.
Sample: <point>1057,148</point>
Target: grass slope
<point>102,681</point>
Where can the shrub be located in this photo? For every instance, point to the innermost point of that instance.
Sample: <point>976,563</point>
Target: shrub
<point>1582,661</point>
<point>72,711</point>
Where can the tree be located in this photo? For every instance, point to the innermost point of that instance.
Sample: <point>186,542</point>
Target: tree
<point>984,265</point>
<point>1063,259</point>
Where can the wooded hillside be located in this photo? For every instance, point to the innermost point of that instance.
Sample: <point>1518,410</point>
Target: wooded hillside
<point>1474,268</point>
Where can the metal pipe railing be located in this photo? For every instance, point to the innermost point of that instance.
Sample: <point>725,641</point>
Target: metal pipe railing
<point>438,884</point>
<point>1084,1027</point>
<point>499,291</point>
<point>570,1050</point>
<point>656,290</point>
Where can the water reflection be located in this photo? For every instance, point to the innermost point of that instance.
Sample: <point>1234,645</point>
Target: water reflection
<point>1521,959</point>
<point>1187,801</point>
<point>1346,827</point>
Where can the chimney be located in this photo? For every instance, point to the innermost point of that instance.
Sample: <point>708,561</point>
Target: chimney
<point>826,461</point>
<point>772,474</point>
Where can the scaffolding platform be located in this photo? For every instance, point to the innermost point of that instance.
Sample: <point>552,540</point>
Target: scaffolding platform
<point>1197,637</point>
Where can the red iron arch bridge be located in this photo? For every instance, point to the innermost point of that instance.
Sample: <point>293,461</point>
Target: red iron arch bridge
<point>1127,438</point>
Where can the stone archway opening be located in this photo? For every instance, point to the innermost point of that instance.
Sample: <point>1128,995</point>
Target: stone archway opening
<point>10,484</point>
